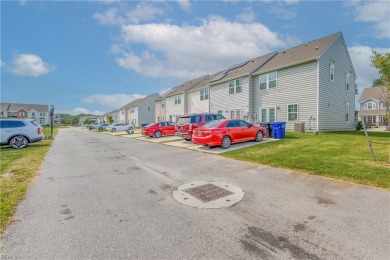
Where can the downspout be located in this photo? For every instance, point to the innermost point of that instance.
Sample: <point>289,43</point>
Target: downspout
<point>318,93</point>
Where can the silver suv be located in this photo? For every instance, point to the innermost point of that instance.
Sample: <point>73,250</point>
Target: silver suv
<point>19,132</point>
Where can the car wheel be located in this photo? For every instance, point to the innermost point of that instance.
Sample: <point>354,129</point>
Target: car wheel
<point>188,139</point>
<point>157,134</point>
<point>131,128</point>
<point>226,142</point>
<point>259,136</point>
<point>100,128</point>
<point>18,142</point>
<point>113,130</point>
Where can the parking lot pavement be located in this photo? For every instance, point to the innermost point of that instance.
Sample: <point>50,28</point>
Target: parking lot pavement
<point>162,139</point>
<point>216,150</point>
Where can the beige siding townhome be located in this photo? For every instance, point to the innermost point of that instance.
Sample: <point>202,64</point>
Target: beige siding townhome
<point>175,100</point>
<point>373,106</point>
<point>38,113</point>
<point>231,91</point>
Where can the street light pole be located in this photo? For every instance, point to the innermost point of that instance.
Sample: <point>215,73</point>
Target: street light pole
<point>51,121</point>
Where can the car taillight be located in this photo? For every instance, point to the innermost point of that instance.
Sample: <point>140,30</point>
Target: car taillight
<point>189,126</point>
<point>39,130</point>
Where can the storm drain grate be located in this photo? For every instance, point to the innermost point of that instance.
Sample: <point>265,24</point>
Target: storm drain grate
<point>208,192</point>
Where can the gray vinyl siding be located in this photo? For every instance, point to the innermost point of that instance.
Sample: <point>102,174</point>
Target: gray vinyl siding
<point>146,116</point>
<point>195,105</point>
<point>333,94</point>
<point>295,85</point>
<point>221,100</point>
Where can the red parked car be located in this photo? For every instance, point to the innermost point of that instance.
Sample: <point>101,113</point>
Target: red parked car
<point>159,129</point>
<point>226,132</point>
<point>186,124</point>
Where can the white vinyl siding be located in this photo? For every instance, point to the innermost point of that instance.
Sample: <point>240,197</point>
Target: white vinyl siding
<point>221,100</point>
<point>195,105</point>
<point>174,110</point>
<point>295,85</point>
<point>333,94</point>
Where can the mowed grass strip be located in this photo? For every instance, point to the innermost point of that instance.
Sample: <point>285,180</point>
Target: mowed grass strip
<point>341,155</point>
<point>18,168</point>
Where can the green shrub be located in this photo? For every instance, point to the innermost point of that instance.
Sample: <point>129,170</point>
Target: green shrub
<point>359,126</point>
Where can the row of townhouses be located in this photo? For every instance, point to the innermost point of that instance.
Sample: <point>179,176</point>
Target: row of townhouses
<point>312,83</point>
<point>37,113</point>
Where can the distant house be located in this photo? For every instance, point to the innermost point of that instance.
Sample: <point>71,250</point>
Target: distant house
<point>142,111</point>
<point>37,113</point>
<point>373,105</point>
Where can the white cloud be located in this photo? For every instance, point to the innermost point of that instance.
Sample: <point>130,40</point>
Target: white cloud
<point>248,16</point>
<point>184,4</point>
<point>285,13</point>
<point>79,110</point>
<point>189,50</point>
<point>361,60</point>
<point>375,12</point>
<point>30,65</point>
<point>2,63</point>
<point>111,101</point>
<point>291,2</point>
<point>142,12</point>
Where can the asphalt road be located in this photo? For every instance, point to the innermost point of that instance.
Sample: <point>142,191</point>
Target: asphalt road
<point>106,197</point>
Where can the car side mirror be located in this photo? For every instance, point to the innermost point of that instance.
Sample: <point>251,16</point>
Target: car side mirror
<point>250,125</point>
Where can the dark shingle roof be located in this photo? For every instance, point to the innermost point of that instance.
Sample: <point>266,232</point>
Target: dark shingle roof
<point>205,82</point>
<point>298,54</point>
<point>242,69</point>
<point>185,86</point>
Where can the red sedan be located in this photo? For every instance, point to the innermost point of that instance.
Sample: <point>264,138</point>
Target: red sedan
<point>159,129</point>
<point>226,132</point>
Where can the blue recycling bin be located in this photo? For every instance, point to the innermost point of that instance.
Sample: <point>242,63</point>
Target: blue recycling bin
<point>278,130</point>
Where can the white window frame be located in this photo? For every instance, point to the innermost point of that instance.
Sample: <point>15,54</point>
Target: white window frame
<point>235,114</point>
<point>204,94</point>
<point>267,116</point>
<point>267,80</point>
<point>235,86</point>
<point>177,99</point>
<point>347,83</point>
<point>297,119</point>
<point>373,105</point>
<point>331,71</point>
<point>346,112</point>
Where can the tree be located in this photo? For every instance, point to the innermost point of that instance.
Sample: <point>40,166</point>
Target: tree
<point>88,121</point>
<point>110,120</point>
<point>381,61</point>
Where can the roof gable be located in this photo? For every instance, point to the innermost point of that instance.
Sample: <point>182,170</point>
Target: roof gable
<point>377,93</point>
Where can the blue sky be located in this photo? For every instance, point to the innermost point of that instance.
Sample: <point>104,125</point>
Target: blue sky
<point>95,56</point>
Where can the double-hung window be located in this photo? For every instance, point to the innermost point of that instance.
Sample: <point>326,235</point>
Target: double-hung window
<point>370,105</point>
<point>268,80</point>
<point>331,72</point>
<point>177,99</point>
<point>235,86</point>
<point>347,76</point>
<point>293,112</point>
<point>204,94</point>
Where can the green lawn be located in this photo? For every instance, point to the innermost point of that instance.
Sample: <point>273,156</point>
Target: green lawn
<point>341,155</point>
<point>18,168</point>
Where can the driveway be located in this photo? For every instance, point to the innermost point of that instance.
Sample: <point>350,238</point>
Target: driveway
<point>105,197</point>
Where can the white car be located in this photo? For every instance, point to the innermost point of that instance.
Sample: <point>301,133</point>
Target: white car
<point>119,127</point>
<point>19,132</point>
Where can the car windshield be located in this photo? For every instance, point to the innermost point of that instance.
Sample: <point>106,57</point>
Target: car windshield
<point>183,120</point>
<point>212,124</point>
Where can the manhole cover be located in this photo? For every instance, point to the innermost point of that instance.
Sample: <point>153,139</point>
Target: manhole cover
<point>202,194</point>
